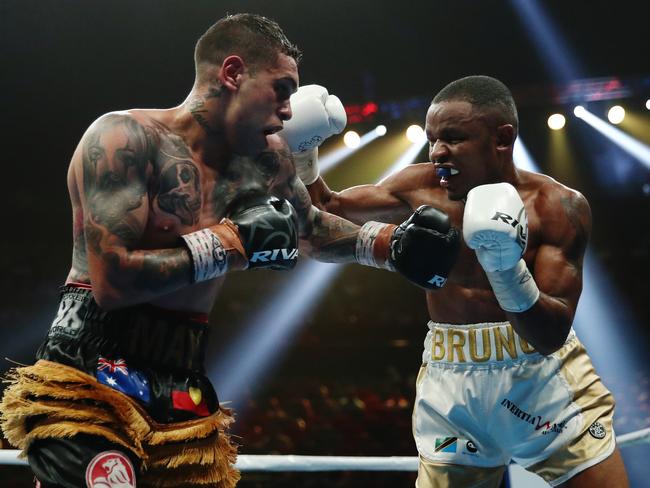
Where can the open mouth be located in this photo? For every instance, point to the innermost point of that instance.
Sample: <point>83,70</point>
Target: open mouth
<point>272,130</point>
<point>446,171</point>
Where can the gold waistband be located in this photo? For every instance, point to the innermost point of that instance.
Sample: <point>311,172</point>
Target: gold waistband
<point>475,343</point>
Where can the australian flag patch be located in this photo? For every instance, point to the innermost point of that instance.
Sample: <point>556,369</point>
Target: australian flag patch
<point>115,373</point>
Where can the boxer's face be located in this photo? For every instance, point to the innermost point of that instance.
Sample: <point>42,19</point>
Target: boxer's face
<point>262,104</point>
<point>461,140</point>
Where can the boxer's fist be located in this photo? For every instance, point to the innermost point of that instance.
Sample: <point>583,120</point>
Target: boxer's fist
<point>495,225</point>
<point>317,115</point>
<point>425,247</point>
<point>268,228</point>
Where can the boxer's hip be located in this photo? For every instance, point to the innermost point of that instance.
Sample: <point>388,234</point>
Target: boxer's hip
<point>485,397</point>
<point>153,355</point>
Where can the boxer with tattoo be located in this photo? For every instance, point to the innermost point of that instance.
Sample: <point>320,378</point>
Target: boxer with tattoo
<point>504,377</point>
<point>165,203</point>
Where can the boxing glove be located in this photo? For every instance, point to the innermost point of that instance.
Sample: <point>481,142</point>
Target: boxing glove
<point>495,225</point>
<point>260,229</point>
<point>423,249</point>
<point>268,227</point>
<point>317,115</point>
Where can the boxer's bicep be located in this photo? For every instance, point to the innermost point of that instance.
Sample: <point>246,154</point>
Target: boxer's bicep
<point>559,259</point>
<point>115,164</point>
<point>114,161</point>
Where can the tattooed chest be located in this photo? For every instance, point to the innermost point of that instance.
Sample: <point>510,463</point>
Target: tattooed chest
<point>186,195</point>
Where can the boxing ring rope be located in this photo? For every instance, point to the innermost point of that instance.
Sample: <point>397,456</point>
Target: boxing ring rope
<point>262,462</point>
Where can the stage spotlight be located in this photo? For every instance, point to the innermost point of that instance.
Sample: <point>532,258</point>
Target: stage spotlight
<point>271,330</point>
<point>579,111</point>
<point>556,121</point>
<point>351,139</point>
<point>380,130</point>
<point>415,133</point>
<point>333,158</point>
<point>632,146</point>
<point>616,114</point>
<point>647,104</point>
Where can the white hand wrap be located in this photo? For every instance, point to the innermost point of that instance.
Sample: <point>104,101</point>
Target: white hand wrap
<point>515,288</point>
<point>208,254</point>
<point>373,245</point>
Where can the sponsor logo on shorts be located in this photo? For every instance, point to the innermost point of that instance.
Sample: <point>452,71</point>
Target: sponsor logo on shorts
<point>110,469</point>
<point>446,444</point>
<point>597,430</point>
<point>545,426</point>
<point>454,445</point>
<point>471,447</point>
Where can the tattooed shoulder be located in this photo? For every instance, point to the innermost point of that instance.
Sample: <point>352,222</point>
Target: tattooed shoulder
<point>116,153</point>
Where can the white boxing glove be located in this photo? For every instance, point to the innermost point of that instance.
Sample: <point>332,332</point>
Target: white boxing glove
<point>495,225</point>
<point>317,115</point>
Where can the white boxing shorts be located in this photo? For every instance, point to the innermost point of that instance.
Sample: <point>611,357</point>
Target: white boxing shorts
<point>485,398</point>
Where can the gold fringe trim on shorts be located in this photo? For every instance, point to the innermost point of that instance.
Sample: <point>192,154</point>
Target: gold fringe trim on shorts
<point>53,400</point>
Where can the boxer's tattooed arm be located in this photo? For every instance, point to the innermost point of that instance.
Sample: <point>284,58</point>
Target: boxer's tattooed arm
<point>333,239</point>
<point>117,154</point>
<point>326,237</point>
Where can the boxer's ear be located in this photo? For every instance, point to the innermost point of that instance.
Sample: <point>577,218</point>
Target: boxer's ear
<point>505,137</point>
<point>231,72</point>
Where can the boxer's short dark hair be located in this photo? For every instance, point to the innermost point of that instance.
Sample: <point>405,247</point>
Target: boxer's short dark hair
<point>484,93</point>
<point>257,39</point>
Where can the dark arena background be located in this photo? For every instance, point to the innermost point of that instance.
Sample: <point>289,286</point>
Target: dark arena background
<point>322,360</point>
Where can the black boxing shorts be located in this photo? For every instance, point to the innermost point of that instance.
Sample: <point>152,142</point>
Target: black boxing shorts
<point>133,378</point>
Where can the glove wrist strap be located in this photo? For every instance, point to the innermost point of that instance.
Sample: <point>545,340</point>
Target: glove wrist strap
<point>307,166</point>
<point>373,245</point>
<point>514,288</point>
<point>210,249</point>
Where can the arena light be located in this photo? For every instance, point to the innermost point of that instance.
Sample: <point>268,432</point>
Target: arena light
<point>579,111</point>
<point>351,139</point>
<point>630,145</point>
<point>522,157</point>
<point>381,130</point>
<point>415,134</point>
<point>553,51</point>
<point>269,332</point>
<point>647,104</point>
<point>556,121</point>
<point>333,158</point>
<point>616,114</point>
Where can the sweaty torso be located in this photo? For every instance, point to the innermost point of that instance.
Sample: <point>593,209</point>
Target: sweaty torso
<point>467,296</point>
<point>184,194</point>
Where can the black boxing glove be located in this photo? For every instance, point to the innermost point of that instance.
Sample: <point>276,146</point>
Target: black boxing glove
<point>268,228</point>
<point>424,248</point>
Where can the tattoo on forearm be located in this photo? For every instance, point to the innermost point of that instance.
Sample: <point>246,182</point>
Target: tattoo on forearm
<point>333,239</point>
<point>161,267</point>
